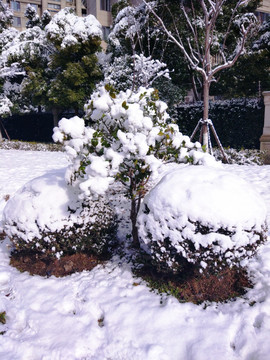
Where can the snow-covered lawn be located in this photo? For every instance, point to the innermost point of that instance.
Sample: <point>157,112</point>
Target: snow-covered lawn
<point>107,314</point>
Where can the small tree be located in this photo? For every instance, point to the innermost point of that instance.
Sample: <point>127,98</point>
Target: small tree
<point>5,106</point>
<point>131,137</point>
<point>32,16</point>
<point>211,27</point>
<point>74,64</point>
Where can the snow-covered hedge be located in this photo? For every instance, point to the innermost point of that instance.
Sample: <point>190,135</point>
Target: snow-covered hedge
<point>47,216</point>
<point>201,215</point>
<point>238,122</point>
<point>241,157</point>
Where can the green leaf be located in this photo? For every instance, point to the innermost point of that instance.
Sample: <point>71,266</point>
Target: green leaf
<point>3,317</point>
<point>124,105</point>
<point>94,142</point>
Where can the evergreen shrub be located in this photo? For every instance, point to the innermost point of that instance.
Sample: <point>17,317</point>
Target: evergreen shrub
<point>203,218</point>
<point>46,217</point>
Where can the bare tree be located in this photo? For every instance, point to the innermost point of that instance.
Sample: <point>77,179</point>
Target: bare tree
<point>206,42</point>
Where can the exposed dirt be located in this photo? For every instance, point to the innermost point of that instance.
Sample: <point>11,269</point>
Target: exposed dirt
<point>225,285</point>
<point>47,266</point>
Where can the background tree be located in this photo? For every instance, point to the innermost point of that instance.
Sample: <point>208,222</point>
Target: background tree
<point>28,49</point>
<point>66,73</point>
<point>250,75</point>
<point>137,47</point>
<point>6,16</point>
<point>53,63</point>
<point>215,29</point>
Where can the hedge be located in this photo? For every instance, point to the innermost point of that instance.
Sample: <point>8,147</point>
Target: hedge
<point>32,126</point>
<point>238,122</point>
<point>29,127</point>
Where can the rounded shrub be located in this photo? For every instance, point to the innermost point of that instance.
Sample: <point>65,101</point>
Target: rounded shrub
<point>201,216</point>
<point>46,216</point>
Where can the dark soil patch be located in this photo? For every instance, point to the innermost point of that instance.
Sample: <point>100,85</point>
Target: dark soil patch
<point>192,286</point>
<point>39,264</point>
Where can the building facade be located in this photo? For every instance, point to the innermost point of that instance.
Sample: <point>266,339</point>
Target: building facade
<point>53,6</point>
<point>264,10</point>
<point>101,9</point>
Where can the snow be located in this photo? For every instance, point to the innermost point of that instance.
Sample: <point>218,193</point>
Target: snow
<point>34,208</point>
<point>5,105</point>
<point>212,196</point>
<point>71,29</point>
<point>107,313</point>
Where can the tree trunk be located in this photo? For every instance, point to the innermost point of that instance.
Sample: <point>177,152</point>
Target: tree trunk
<point>205,135</point>
<point>1,136</point>
<point>133,218</point>
<point>55,113</point>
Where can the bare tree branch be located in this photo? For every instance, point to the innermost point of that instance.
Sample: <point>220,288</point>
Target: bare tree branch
<point>178,43</point>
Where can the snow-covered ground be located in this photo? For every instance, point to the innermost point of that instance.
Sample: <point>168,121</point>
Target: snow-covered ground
<point>107,314</point>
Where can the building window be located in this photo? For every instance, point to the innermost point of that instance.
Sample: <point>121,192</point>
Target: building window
<point>54,6</point>
<point>35,6</point>
<point>105,5</point>
<point>17,21</point>
<point>15,5</point>
<point>105,31</point>
<point>263,16</point>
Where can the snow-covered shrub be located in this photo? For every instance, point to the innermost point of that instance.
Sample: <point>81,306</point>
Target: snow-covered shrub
<point>241,157</point>
<point>5,106</point>
<point>131,137</point>
<point>133,71</point>
<point>203,216</point>
<point>46,216</point>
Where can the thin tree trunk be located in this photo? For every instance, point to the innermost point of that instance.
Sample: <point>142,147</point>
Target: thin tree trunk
<point>55,113</point>
<point>133,218</point>
<point>205,134</point>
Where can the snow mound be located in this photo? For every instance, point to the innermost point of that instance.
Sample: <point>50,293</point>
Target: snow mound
<point>46,215</point>
<point>202,215</point>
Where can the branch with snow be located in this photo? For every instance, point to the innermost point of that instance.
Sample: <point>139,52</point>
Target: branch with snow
<point>130,139</point>
<point>5,106</point>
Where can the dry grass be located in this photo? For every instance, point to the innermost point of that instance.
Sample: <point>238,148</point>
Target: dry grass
<point>192,286</point>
